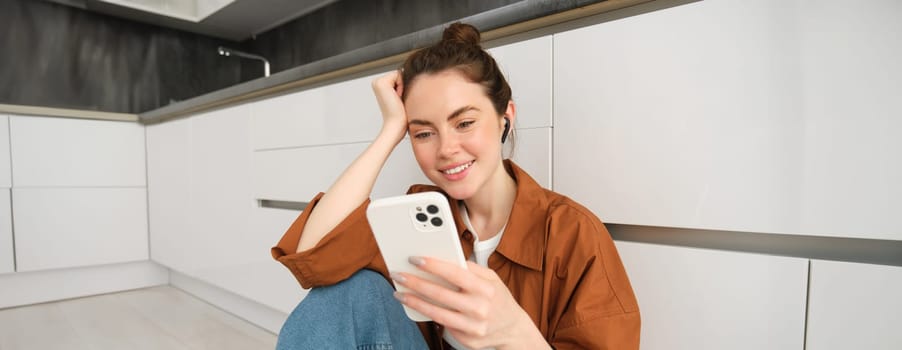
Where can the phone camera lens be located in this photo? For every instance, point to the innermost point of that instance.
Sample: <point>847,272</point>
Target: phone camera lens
<point>436,221</point>
<point>432,209</point>
<point>422,217</point>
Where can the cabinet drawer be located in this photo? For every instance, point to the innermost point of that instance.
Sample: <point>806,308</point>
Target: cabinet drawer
<point>53,152</point>
<point>706,119</point>
<point>706,299</point>
<point>68,227</point>
<point>299,174</point>
<point>854,306</point>
<point>339,113</point>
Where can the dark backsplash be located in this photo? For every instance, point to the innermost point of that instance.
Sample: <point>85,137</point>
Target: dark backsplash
<point>350,24</point>
<point>65,57</point>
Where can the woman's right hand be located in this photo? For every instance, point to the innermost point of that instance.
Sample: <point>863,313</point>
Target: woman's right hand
<point>388,89</point>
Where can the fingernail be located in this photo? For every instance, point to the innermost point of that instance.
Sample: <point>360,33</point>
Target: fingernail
<point>399,296</point>
<point>398,278</point>
<point>416,261</point>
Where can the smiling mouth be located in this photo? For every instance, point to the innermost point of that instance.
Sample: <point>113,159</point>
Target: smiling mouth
<point>458,168</point>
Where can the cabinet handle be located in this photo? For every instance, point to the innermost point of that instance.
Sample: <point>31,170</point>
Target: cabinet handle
<point>269,203</point>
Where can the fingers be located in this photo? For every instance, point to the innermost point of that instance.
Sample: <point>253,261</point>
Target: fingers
<point>482,271</point>
<point>399,84</point>
<point>433,292</point>
<point>443,316</point>
<point>456,275</point>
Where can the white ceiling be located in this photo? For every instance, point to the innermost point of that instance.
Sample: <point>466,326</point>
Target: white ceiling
<point>228,19</point>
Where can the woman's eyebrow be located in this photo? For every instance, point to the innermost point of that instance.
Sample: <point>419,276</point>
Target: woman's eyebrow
<point>460,111</point>
<point>455,114</point>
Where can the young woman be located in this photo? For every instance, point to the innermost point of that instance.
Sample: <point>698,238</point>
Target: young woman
<point>544,271</point>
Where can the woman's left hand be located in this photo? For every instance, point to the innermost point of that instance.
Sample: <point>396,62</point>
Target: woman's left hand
<point>482,313</point>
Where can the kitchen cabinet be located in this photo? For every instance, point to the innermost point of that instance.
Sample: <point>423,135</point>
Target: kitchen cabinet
<point>854,306</point>
<point>298,174</point>
<point>735,115</point>
<point>169,191</point>
<point>527,67</point>
<point>199,199</point>
<point>220,197</point>
<point>701,299</point>
<point>532,152</point>
<point>7,262</point>
<point>342,112</point>
<point>204,220</point>
<point>60,152</point>
<point>70,227</point>
<point>5,168</point>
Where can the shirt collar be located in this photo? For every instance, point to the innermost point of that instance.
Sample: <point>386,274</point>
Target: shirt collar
<point>524,237</point>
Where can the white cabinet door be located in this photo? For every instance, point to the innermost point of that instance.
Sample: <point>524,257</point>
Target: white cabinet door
<point>7,264</point>
<point>532,152</point>
<point>298,174</point>
<point>5,170</point>
<point>735,115</point>
<point>681,118</point>
<point>854,306</point>
<point>57,152</point>
<point>702,299</point>
<point>68,227</point>
<point>266,280</point>
<point>527,67</point>
<point>221,200</point>
<point>849,99</point>
<point>211,228</point>
<point>169,191</point>
<point>339,113</point>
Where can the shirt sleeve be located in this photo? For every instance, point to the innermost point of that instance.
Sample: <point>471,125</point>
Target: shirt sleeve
<point>601,311</point>
<point>348,248</point>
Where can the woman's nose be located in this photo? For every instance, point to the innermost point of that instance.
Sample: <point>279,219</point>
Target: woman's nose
<point>449,146</point>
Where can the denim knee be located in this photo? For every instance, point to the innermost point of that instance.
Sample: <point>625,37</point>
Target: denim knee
<point>359,312</point>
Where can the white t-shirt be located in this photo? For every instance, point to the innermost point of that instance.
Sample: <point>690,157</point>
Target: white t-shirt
<point>481,252</point>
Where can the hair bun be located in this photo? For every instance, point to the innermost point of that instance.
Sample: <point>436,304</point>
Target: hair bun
<point>461,33</point>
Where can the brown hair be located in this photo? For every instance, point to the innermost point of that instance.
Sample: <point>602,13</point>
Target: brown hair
<point>459,49</point>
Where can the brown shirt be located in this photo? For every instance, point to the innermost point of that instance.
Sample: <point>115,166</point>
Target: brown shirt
<point>555,256</point>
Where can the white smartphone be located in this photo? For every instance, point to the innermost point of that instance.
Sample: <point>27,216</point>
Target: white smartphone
<point>419,224</point>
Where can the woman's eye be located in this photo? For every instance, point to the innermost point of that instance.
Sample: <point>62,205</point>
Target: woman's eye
<point>464,124</point>
<point>422,135</point>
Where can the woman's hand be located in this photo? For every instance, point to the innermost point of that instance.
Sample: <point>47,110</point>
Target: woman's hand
<point>388,89</point>
<point>482,313</point>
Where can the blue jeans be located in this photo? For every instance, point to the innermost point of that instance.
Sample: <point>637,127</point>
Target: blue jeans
<point>357,313</point>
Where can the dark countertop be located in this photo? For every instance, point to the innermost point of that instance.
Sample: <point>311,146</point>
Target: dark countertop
<point>504,21</point>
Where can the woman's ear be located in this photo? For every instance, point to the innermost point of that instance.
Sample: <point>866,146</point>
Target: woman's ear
<point>509,115</point>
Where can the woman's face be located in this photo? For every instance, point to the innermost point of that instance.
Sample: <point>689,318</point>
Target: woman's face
<point>455,132</point>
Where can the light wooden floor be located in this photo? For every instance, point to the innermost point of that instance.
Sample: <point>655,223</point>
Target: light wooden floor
<point>151,318</point>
